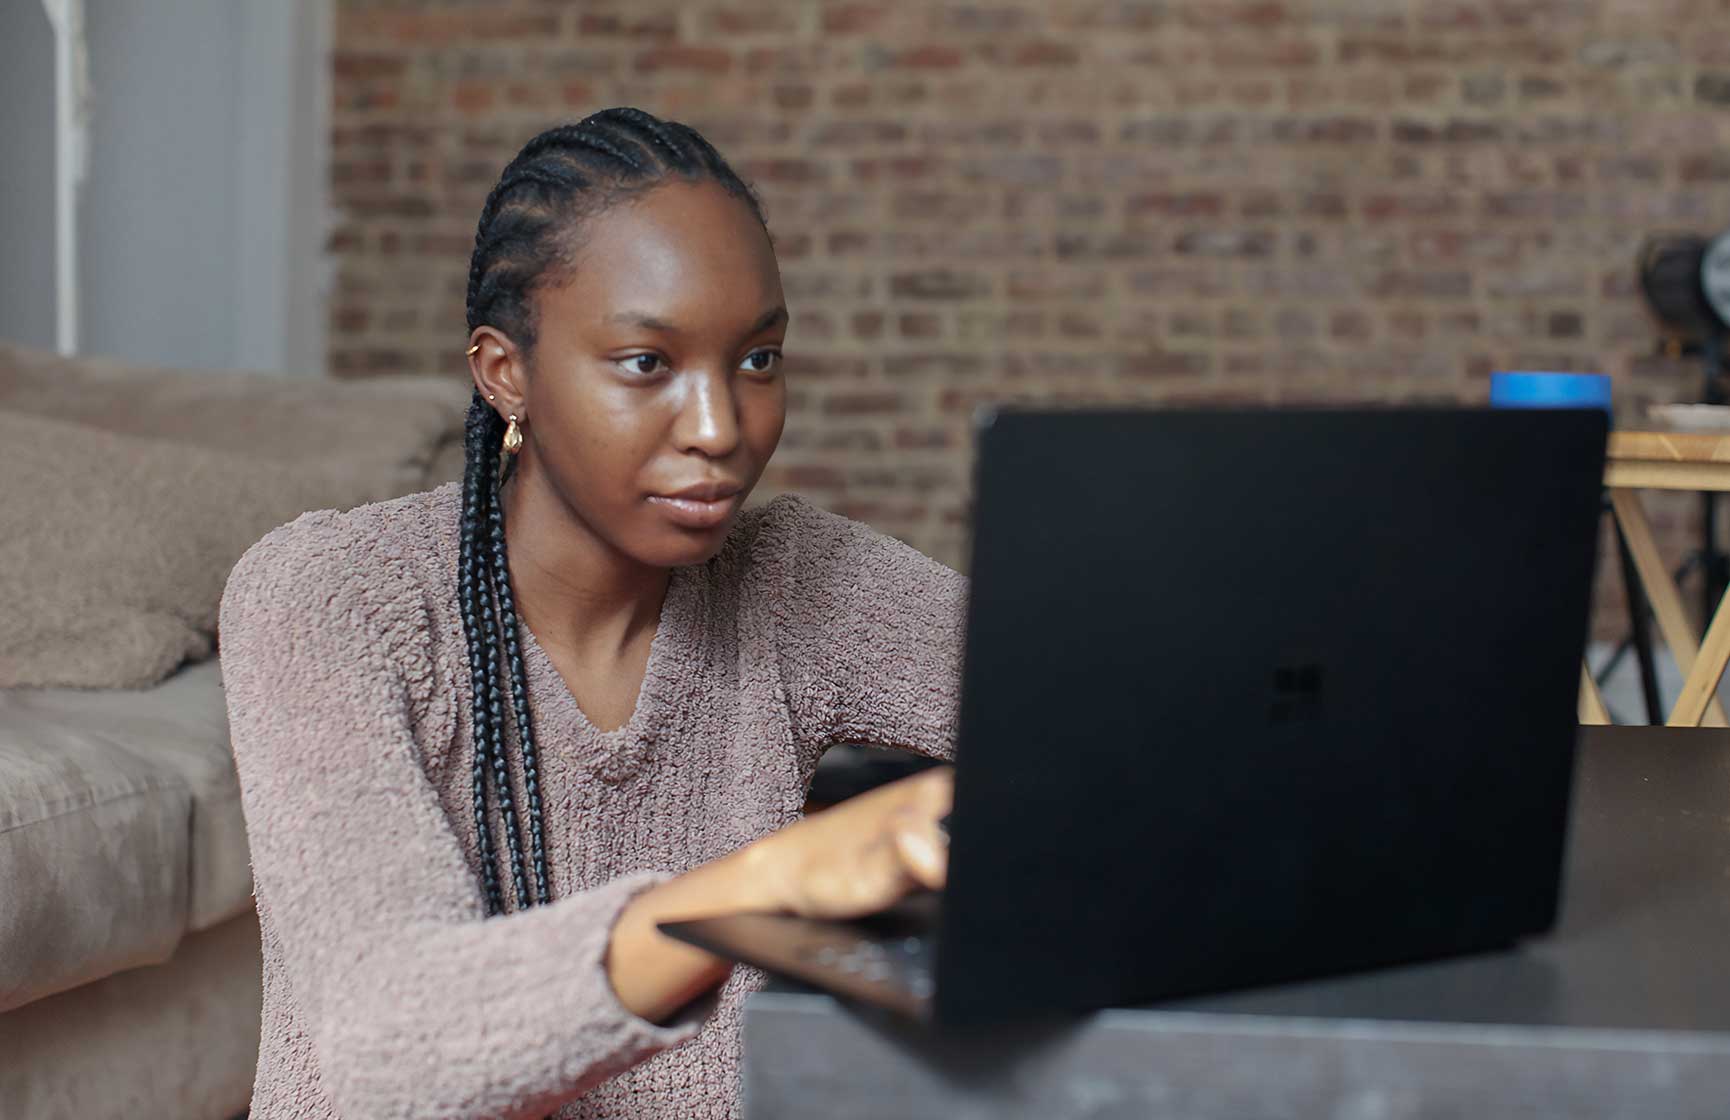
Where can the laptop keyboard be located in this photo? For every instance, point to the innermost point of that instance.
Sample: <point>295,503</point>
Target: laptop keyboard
<point>903,962</point>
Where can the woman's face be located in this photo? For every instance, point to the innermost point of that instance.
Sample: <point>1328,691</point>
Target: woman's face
<point>655,394</point>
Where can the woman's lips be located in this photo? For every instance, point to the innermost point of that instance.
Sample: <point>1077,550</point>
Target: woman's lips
<point>696,513</point>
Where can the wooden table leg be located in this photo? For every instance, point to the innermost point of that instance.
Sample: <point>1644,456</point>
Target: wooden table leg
<point>1592,710</point>
<point>1666,600</point>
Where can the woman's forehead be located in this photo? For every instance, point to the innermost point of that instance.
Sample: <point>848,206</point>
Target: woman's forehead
<point>683,254</point>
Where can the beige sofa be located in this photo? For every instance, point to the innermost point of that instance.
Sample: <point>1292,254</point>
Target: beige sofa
<point>129,952</point>
<point>129,971</point>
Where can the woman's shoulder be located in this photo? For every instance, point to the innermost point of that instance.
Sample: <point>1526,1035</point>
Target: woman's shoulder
<point>791,524</point>
<point>376,554</point>
<point>795,542</point>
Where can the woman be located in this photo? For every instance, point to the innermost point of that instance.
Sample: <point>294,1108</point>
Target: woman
<point>487,737</point>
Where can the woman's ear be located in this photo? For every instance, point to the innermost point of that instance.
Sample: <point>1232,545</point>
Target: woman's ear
<point>497,366</point>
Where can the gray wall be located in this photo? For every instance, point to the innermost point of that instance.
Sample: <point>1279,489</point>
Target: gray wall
<point>26,174</point>
<point>203,212</point>
<point>157,247</point>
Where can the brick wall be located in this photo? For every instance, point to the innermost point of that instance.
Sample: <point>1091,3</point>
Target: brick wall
<point>1159,201</point>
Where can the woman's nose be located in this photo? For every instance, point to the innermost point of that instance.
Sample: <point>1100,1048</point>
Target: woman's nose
<point>708,420</point>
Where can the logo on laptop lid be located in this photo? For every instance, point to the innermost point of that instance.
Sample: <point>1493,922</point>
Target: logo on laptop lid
<point>1297,691</point>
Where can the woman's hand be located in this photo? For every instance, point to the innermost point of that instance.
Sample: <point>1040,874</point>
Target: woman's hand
<point>861,855</point>
<point>857,857</point>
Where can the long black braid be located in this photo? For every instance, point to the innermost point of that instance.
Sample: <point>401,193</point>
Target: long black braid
<point>525,239</point>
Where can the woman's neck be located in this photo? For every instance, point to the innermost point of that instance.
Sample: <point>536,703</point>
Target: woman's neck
<point>574,590</point>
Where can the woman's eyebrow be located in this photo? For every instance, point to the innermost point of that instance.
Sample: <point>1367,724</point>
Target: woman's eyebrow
<point>643,319</point>
<point>769,318</point>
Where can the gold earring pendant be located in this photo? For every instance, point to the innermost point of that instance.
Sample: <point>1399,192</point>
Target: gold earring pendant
<point>513,437</point>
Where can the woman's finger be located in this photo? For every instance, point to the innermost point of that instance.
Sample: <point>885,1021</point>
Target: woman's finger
<point>921,847</point>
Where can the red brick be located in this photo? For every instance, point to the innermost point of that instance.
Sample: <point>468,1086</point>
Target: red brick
<point>1249,243</point>
<point>931,57</point>
<point>1046,54</point>
<point>1079,324</point>
<point>794,96</point>
<point>864,403</point>
<point>1049,283</point>
<point>1423,285</point>
<point>349,320</point>
<point>1706,167</point>
<point>1382,207</point>
<point>1350,326</point>
<point>846,19</point>
<point>857,133</point>
<point>358,66</point>
<point>924,438</point>
<point>940,284</point>
<point>1427,86</point>
<point>1262,204</point>
<point>856,95</point>
<point>1261,52</point>
<point>761,20</point>
<point>1329,206</point>
<point>1111,15</point>
<point>654,26</point>
<point>919,325</point>
<point>932,366</point>
<point>1195,205</point>
<point>794,171</point>
<point>1164,364</point>
<point>702,60</point>
<point>1324,130</point>
<point>867,324</point>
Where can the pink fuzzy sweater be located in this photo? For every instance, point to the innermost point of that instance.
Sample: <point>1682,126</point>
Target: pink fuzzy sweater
<point>386,994</point>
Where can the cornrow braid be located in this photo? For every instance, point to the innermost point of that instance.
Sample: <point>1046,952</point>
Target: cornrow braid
<point>520,706</point>
<point>471,582</point>
<point>491,624</point>
<point>527,225</point>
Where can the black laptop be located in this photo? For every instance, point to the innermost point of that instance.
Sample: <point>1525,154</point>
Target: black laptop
<point>1248,697</point>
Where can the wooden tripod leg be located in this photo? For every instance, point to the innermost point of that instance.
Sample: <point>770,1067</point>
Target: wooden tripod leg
<point>1592,710</point>
<point>1661,590</point>
<point>1701,687</point>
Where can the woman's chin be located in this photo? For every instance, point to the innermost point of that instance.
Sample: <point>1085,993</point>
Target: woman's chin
<point>680,547</point>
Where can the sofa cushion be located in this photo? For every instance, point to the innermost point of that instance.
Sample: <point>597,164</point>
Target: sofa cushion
<point>120,829</point>
<point>406,430</point>
<point>117,548</point>
<point>93,859</point>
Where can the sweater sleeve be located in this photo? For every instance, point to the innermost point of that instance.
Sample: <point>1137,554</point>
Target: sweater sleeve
<point>416,1006</point>
<point>868,633</point>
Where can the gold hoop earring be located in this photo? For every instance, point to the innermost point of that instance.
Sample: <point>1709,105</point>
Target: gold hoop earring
<point>473,350</point>
<point>513,437</point>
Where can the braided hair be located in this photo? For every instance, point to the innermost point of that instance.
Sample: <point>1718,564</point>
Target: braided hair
<point>525,240</point>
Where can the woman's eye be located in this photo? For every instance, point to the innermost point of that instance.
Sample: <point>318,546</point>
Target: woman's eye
<point>762,361</point>
<point>643,365</point>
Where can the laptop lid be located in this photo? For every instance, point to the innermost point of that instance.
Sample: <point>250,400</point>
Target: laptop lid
<point>1250,696</point>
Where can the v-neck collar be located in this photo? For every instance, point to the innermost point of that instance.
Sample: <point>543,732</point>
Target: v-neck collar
<point>560,722</point>
<point>672,634</point>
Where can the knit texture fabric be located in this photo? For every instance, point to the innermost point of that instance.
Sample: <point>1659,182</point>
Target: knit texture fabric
<point>386,992</point>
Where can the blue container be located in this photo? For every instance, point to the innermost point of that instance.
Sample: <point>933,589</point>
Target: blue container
<point>1550,390</point>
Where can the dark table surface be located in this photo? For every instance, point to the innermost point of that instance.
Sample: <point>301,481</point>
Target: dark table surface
<point>1622,1011</point>
<point>1644,937</point>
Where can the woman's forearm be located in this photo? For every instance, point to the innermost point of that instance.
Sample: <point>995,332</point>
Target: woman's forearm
<point>853,859</point>
<point>654,975</point>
